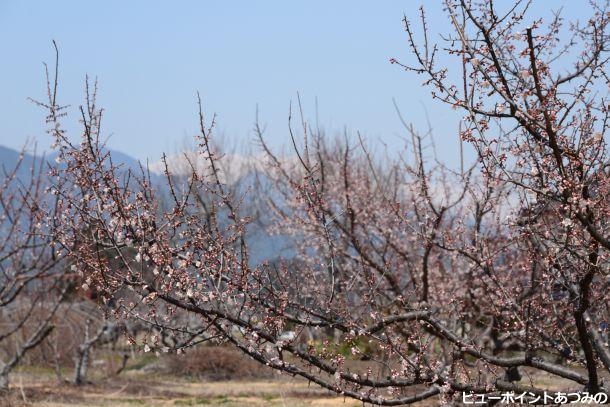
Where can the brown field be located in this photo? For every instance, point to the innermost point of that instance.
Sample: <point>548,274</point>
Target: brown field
<point>137,386</point>
<point>30,389</point>
<point>39,387</point>
<point>205,376</point>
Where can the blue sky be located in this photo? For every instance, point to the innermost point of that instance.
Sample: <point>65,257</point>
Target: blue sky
<point>151,57</point>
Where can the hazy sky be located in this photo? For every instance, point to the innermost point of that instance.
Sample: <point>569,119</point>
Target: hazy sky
<point>150,58</point>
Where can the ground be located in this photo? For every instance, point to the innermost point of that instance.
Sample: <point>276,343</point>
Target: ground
<point>35,386</point>
<point>132,389</point>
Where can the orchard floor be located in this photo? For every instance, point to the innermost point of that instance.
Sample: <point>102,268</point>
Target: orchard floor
<point>30,389</point>
<point>39,387</point>
<point>167,391</point>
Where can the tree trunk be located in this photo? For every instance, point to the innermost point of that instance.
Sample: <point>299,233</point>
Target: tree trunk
<point>82,363</point>
<point>3,382</point>
<point>84,351</point>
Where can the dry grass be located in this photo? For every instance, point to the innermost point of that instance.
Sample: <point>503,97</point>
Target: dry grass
<point>37,386</point>
<point>137,389</point>
<point>216,363</point>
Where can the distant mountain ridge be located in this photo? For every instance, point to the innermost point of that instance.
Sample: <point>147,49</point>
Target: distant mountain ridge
<point>9,158</point>
<point>235,168</point>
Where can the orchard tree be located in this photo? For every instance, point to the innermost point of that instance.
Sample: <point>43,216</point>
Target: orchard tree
<point>409,280</point>
<point>32,284</point>
<point>540,127</point>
